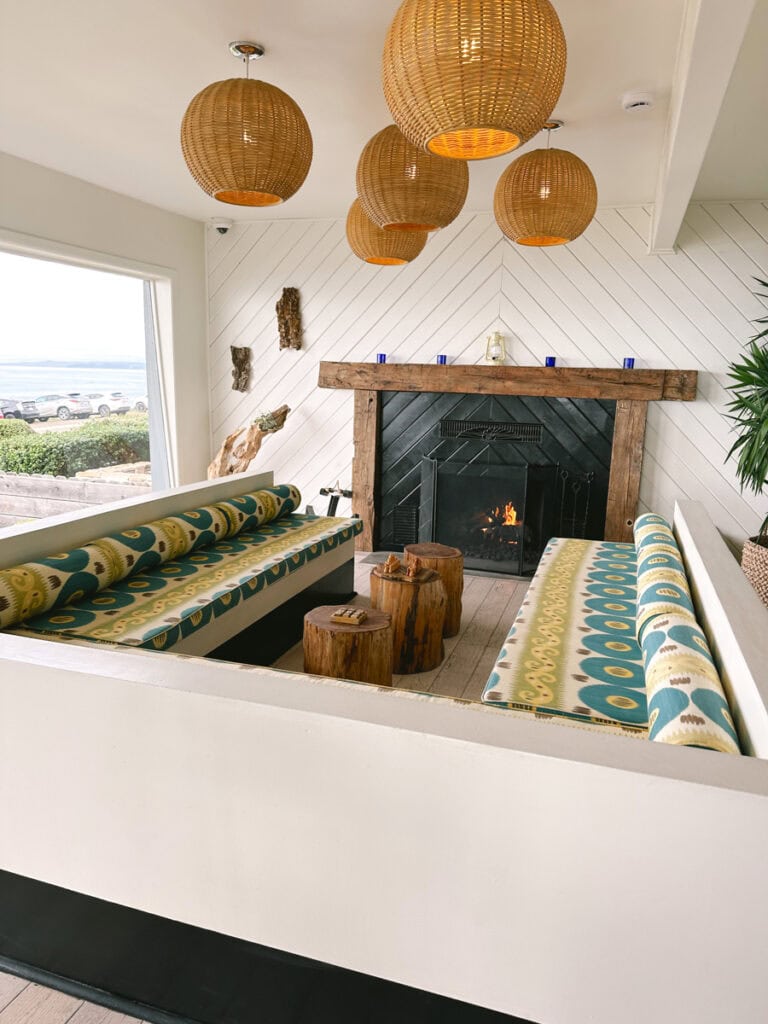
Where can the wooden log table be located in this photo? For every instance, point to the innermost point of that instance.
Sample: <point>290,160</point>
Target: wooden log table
<point>357,651</point>
<point>449,562</point>
<point>417,605</point>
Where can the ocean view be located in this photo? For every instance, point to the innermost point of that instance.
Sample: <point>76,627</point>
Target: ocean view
<point>20,381</point>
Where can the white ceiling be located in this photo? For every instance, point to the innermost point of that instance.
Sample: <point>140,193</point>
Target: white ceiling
<point>97,90</point>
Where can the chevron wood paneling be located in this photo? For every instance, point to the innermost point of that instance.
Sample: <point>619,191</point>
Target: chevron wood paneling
<point>589,303</point>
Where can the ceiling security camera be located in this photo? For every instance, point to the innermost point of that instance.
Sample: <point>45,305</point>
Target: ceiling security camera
<point>222,226</point>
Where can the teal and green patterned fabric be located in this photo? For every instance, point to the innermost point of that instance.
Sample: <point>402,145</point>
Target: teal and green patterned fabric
<point>572,650</point>
<point>62,579</point>
<point>662,585</point>
<point>686,702</point>
<point>166,602</point>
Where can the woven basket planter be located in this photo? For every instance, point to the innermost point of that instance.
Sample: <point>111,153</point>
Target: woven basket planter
<point>754,562</point>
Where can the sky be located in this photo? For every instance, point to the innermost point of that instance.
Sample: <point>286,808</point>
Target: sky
<point>56,311</point>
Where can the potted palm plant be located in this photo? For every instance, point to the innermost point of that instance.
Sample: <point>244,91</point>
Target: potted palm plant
<point>749,411</point>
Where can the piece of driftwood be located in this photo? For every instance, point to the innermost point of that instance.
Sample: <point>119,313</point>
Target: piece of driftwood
<point>241,447</point>
<point>289,318</point>
<point>241,368</point>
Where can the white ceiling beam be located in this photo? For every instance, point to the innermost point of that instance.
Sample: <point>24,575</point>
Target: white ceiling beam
<point>710,41</point>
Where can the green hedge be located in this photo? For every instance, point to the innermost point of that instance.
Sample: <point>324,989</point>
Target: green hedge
<point>107,442</point>
<point>12,428</point>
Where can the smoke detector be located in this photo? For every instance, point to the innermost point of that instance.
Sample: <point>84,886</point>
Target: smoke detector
<point>632,101</point>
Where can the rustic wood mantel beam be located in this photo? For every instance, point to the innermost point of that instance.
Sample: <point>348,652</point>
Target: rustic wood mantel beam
<point>630,389</point>
<point>550,382</point>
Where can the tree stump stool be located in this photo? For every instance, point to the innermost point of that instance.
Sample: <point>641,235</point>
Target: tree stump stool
<point>417,606</point>
<point>361,651</point>
<point>449,562</point>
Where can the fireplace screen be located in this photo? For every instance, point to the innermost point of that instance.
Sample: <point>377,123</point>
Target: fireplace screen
<point>498,516</point>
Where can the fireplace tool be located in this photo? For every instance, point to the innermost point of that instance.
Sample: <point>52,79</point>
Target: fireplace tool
<point>333,494</point>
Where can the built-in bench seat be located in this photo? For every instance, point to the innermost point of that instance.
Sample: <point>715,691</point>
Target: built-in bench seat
<point>160,583</point>
<point>607,635</point>
<point>158,607</point>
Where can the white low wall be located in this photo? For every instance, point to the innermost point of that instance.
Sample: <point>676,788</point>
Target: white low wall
<point>564,876</point>
<point>520,865</point>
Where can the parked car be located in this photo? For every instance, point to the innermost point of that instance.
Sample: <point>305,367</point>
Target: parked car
<point>29,410</point>
<point>18,410</point>
<point>63,406</point>
<point>10,409</point>
<point>141,404</point>
<point>106,402</point>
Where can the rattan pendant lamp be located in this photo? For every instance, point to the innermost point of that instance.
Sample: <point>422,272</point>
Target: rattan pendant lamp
<point>546,197</point>
<point>402,188</point>
<point>374,245</point>
<point>473,78</point>
<point>246,142</point>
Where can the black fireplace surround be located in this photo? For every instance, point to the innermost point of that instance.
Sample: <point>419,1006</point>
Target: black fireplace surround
<point>495,476</point>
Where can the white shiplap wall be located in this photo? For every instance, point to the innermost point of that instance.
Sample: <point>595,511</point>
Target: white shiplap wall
<point>589,303</point>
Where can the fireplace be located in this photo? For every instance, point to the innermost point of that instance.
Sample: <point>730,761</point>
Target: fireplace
<point>494,476</point>
<point>626,392</point>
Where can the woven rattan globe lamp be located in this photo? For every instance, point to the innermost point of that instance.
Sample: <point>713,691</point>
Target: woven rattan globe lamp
<point>546,197</point>
<point>246,142</point>
<point>384,248</point>
<point>402,188</point>
<point>473,78</point>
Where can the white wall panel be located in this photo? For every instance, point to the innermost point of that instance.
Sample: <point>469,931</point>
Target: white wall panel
<point>590,304</point>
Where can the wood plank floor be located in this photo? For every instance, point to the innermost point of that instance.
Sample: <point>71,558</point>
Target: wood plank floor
<point>22,1002</point>
<point>489,606</point>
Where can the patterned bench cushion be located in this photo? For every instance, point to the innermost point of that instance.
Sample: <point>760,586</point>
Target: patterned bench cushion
<point>572,650</point>
<point>58,580</point>
<point>162,604</point>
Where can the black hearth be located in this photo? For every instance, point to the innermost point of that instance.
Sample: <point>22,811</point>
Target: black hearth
<point>495,476</point>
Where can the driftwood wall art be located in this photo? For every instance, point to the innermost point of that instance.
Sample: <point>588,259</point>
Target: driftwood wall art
<point>289,318</point>
<point>237,452</point>
<point>241,368</point>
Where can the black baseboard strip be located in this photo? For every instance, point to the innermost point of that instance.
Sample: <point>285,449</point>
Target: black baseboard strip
<point>167,972</point>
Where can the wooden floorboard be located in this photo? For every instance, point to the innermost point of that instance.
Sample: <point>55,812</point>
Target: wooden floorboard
<point>38,1005</point>
<point>489,607</point>
<point>10,987</point>
<point>25,1003</point>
